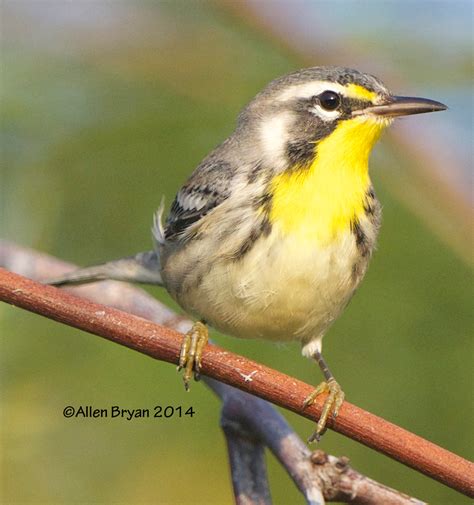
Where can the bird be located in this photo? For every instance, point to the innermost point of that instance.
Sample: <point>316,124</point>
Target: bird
<point>273,232</point>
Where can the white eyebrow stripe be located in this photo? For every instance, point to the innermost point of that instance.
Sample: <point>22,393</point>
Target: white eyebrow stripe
<point>309,89</point>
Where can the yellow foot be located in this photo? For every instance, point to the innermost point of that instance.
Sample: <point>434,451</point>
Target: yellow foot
<point>331,405</point>
<point>191,351</point>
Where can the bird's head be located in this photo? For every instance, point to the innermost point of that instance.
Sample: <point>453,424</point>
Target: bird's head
<point>330,108</point>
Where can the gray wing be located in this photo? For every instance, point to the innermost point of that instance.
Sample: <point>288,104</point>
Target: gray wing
<point>208,187</point>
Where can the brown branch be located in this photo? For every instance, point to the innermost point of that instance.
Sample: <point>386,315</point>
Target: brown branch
<point>164,343</point>
<point>249,423</point>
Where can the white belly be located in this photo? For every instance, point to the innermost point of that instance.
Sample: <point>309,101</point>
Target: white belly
<point>288,291</point>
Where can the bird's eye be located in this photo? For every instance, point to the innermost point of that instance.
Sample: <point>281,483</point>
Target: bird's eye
<point>329,100</point>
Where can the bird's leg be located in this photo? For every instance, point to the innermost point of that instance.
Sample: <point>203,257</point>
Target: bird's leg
<point>333,401</point>
<point>191,351</point>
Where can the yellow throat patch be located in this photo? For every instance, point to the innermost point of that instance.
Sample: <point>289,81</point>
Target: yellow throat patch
<point>319,202</point>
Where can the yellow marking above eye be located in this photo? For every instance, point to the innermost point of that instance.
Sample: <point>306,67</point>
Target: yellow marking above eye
<point>360,93</point>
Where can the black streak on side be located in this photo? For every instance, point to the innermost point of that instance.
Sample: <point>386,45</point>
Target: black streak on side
<point>263,203</point>
<point>261,229</point>
<point>363,243</point>
<point>360,237</point>
<point>255,173</point>
<point>369,204</point>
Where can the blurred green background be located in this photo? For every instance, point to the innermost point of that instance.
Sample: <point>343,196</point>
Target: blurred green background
<point>108,105</point>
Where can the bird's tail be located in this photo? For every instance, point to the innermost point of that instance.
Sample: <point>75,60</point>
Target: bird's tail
<point>142,268</point>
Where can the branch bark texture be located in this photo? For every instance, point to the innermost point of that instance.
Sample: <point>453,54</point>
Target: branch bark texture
<point>164,343</point>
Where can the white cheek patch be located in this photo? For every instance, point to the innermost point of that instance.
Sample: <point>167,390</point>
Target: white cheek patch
<point>274,138</point>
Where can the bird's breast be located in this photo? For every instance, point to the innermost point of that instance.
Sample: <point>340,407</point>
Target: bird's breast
<point>282,289</point>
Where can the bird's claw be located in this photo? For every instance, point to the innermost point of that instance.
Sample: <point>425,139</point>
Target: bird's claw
<point>191,351</point>
<point>331,406</point>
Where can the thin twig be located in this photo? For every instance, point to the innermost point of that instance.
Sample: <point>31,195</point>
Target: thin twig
<point>164,343</point>
<point>247,465</point>
<point>317,475</point>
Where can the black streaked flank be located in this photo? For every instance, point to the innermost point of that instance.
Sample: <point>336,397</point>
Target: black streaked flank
<point>255,173</point>
<point>365,249</point>
<point>263,229</point>
<point>360,237</point>
<point>263,202</point>
<point>369,203</point>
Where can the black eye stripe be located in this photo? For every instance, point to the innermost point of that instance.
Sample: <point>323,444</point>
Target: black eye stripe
<point>346,105</point>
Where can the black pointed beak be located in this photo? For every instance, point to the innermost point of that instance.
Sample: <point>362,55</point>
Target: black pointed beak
<point>403,106</point>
